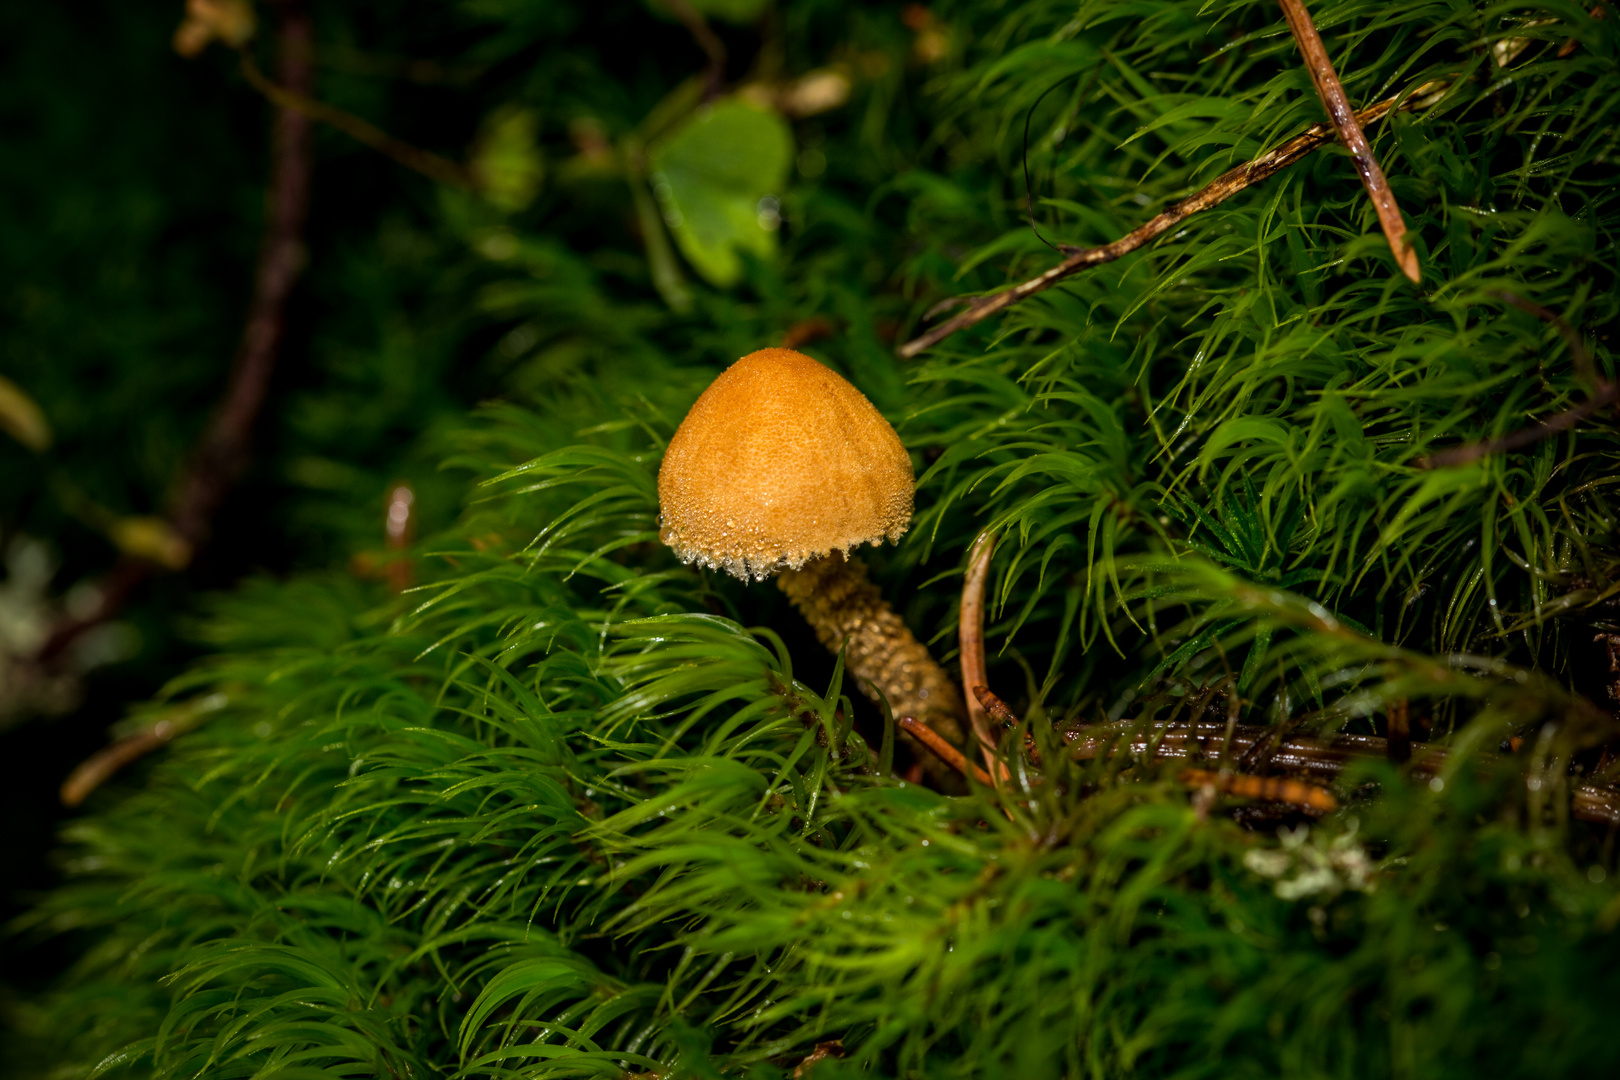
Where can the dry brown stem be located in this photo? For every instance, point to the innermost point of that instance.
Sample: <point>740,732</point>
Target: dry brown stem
<point>1270,788</point>
<point>105,763</point>
<point>1220,189</point>
<point>1350,133</point>
<point>289,98</point>
<point>848,612</point>
<point>936,744</point>
<point>1001,714</point>
<point>972,640</point>
<point>222,452</point>
<point>1604,394</point>
<point>101,766</point>
<point>1518,440</point>
<point>1303,755</point>
<point>714,73</point>
<point>832,1048</point>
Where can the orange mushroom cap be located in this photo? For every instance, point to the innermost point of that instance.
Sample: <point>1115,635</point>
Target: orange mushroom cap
<point>781,461</point>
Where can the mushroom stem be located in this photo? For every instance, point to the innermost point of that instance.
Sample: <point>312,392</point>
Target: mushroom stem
<point>837,599</point>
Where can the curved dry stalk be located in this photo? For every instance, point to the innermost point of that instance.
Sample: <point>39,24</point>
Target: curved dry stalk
<point>107,762</point>
<point>415,158</point>
<point>1350,133</point>
<point>972,640</point>
<point>1604,394</point>
<point>936,744</point>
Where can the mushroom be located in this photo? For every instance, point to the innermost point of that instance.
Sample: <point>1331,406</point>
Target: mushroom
<point>782,467</point>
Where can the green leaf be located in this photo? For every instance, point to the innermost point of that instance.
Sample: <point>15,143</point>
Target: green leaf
<point>713,178</point>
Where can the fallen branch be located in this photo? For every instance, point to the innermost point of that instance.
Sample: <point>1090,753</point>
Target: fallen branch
<point>1518,440</point>
<point>221,453</point>
<point>1303,755</point>
<point>1220,189</point>
<point>1605,394</point>
<point>1349,131</point>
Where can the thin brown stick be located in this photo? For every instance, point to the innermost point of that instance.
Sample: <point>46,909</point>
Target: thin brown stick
<point>1518,440</point>
<point>1298,754</point>
<point>101,766</point>
<point>1567,49</point>
<point>1579,355</point>
<point>1001,714</point>
<point>995,707</point>
<point>1269,788</point>
<point>833,1048</point>
<point>1220,189</point>
<point>1350,133</point>
<point>399,526</point>
<point>1604,394</point>
<point>972,641</point>
<point>288,98</point>
<point>936,743</point>
<point>221,453</point>
<point>714,74</point>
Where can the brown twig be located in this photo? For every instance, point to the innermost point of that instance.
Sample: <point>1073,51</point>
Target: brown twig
<point>995,707</point>
<point>940,748</point>
<point>1579,355</point>
<point>1518,440</point>
<point>221,453</point>
<point>1567,49</point>
<point>833,1048</point>
<point>714,74</point>
<point>1220,189</point>
<point>1296,754</point>
<point>101,766</point>
<point>1604,394</point>
<point>1270,788</point>
<point>1350,133</point>
<point>293,99</point>
<point>972,640</point>
<point>1001,714</point>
